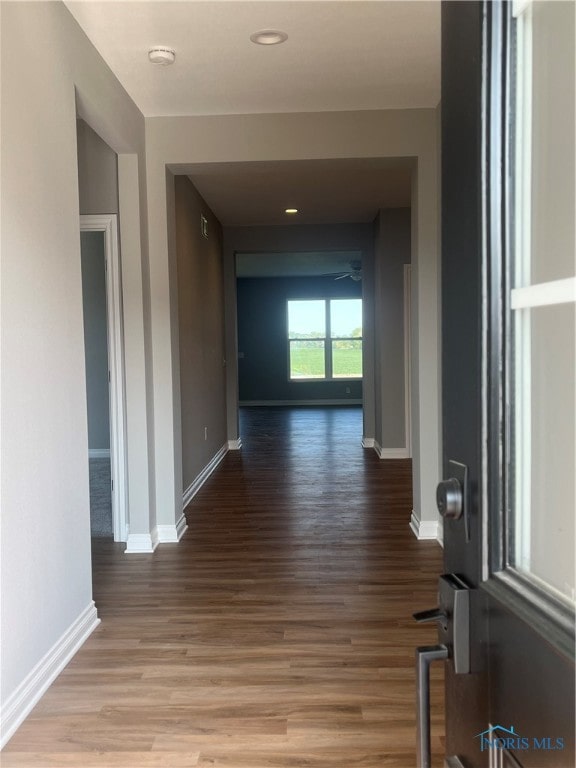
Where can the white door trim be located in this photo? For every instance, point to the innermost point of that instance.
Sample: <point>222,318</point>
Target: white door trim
<point>108,224</point>
<point>408,357</point>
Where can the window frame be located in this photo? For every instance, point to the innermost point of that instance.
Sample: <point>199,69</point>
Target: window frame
<point>327,341</point>
<point>548,614</point>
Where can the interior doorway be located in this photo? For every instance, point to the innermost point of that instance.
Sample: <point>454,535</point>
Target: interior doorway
<point>104,357</point>
<point>300,320</point>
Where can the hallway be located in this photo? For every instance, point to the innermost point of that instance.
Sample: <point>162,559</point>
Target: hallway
<point>277,633</point>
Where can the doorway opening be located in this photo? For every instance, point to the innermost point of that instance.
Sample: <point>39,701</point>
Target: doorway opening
<point>300,320</point>
<point>104,359</point>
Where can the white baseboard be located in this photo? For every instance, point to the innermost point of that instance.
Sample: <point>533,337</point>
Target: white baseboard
<point>368,442</point>
<point>32,688</point>
<point>273,403</point>
<point>171,534</point>
<point>195,486</point>
<point>99,453</point>
<point>391,453</point>
<point>235,445</point>
<point>424,529</point>
<point>141,543</point>
<point>440,537</point>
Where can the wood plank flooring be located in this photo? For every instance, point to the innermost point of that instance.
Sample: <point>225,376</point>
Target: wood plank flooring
<point>277,634</point>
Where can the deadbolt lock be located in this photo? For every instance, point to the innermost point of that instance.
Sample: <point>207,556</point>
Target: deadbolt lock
<point>449,498</point>
<point>452,495</point>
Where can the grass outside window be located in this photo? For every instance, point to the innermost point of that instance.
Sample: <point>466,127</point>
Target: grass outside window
<point>325,339</point>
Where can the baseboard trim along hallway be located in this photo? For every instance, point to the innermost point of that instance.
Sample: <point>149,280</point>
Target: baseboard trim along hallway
<point>32,688</point>
<point>385,453</point>
<point>138,544</point>
<point>201,478</point>
<point>426,530</point>
<point>141,543</point>
<point>171,534</point>
<point>390,453</point>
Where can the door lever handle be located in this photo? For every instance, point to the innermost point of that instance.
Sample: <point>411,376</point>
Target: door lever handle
<point>424,657</point>
<point>435,614</point>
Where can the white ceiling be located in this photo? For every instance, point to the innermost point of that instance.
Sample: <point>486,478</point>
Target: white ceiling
<point>340,55</point>
<point>324,191</point>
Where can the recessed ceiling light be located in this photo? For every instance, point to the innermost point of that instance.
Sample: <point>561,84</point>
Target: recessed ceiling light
<point>160,54</point>
<point>269,37</point>
<point>291,211</point>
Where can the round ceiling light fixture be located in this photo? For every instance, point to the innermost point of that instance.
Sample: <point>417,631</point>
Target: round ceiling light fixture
<point>160,54</point>
<point>269,37</point>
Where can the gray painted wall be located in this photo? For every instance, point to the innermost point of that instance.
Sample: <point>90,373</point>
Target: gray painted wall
<point>97,172</point>
<point>200,296</point>
<point>392,252</point>
<point>95,338</point>
<point>49,71</point>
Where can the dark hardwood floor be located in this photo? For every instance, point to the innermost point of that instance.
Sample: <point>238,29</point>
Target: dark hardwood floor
<point>277,634</point>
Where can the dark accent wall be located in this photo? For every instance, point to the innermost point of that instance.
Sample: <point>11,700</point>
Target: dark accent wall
<point>263,344</point>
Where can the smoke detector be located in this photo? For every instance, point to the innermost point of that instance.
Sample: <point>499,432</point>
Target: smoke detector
<point>269,37</point>
<point>160,54</point>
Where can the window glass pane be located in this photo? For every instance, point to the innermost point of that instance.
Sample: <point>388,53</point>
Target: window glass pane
<point>545,152</point>
<point>552,141</point>
<point>307,319</point>
<point>347,359</point>
<point>307,360</point>
<point>545,444</point>
<point>346,318</point>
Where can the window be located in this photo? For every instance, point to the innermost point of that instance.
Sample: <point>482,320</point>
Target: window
<point>530,324</point>
<point>325,339</point>
<point>541,298</point>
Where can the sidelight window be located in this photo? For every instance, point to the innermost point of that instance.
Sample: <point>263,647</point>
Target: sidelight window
<point>531,321</point>
<point>542,298</point>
